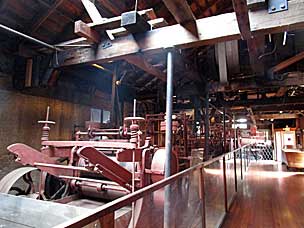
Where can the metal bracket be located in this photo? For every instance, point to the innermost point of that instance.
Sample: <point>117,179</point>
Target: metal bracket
<point>277,6</point>
<point>106,44</point>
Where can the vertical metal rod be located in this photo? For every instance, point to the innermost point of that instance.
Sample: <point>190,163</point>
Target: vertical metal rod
<point>169,105</point>
<point>224,130</point>
<point>168,140</point>
<point>202,196</point>
<point>207,121</point>
<point>241,163</point>
<point>234,133</point>
<point>225,184</point>
<point>134,107</point>
<point>47,113</point>
<point>133,188</point>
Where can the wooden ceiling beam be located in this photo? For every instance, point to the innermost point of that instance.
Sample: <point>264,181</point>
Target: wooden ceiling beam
<point>83,30</point>
<point>211,30</point>
<point>45,16</point>
<point>183,14</point>
<point>254,45</point>
<point>92,11</point>
<point>286,63</point>
<point>265,102</point>
<point>140,61</point>
<point>180,10</point>
<point>291,79</point>
<point>281,91</point>
<point>276,116</point>
<point>108,4</point>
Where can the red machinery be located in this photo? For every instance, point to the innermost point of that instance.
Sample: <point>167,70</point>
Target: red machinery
<point>90,165</point>
<point>183,138</point>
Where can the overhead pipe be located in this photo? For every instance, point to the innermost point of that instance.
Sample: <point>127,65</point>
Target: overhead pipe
<point>34,40</point>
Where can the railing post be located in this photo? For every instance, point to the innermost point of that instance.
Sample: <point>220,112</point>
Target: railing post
<point>241,163</point>
<point>202,195</point>
<point>235,174</point>
<point>225,184</point>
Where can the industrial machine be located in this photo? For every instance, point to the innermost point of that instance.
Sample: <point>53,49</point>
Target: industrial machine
<point>100,164</point>
<point>104,163</point>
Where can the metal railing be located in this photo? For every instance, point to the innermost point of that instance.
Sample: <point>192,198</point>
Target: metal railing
<point>196,197</point>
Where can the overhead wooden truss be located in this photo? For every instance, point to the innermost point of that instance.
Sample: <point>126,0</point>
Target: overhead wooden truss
<point>210,30</point>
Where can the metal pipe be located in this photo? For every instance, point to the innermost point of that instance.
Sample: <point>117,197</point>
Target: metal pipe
<point>169,105</point>
<point>168,140</point>
<point>28,37</point>
<point>134,107</point>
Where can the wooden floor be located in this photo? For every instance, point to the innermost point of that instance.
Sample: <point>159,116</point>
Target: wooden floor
<point>270,197</point>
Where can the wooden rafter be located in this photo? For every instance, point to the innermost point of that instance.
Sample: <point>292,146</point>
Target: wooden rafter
<point>45,16</point>
<point>254,44</point>
<point>292,79</point>
<point>183,14</point>
<point>92,11</point>
<point>140,61</point>
<point>286,63</point>
<point>241,11</point>
<point>277,116</point>
<point>108,4</point>
<point>211,30</point>
<point>265,102</point>
<point>180,10</point>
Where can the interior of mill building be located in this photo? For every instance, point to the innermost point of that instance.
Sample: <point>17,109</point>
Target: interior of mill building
<point>151,113</point>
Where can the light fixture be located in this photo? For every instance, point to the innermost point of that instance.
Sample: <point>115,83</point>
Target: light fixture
<point>271,120</point>
<point>262,119</point>
<point>281,112</point>
<point>241,120</point>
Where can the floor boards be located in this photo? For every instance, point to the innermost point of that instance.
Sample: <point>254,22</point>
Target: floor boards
<point>270,197</point>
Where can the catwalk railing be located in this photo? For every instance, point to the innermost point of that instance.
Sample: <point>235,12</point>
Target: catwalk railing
<point>196,197</point>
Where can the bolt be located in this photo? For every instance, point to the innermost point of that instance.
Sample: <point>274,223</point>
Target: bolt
<point>282,6</point>
<point>273,8</point>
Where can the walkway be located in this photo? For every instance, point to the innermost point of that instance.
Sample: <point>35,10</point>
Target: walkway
<point>270,197</point>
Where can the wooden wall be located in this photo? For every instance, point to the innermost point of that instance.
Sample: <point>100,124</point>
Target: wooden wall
<point>19,114</point>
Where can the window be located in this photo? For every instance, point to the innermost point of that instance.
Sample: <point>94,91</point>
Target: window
<point>95,115</point>
<point>106,116</point>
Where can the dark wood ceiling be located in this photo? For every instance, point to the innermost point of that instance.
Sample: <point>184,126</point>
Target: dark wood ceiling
<point>53,20</point>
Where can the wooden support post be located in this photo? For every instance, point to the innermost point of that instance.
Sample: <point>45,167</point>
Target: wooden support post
<point>28,73</point>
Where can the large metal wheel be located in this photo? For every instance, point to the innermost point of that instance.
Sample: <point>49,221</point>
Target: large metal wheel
<point>55,188</point>
<point>20,182</point>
